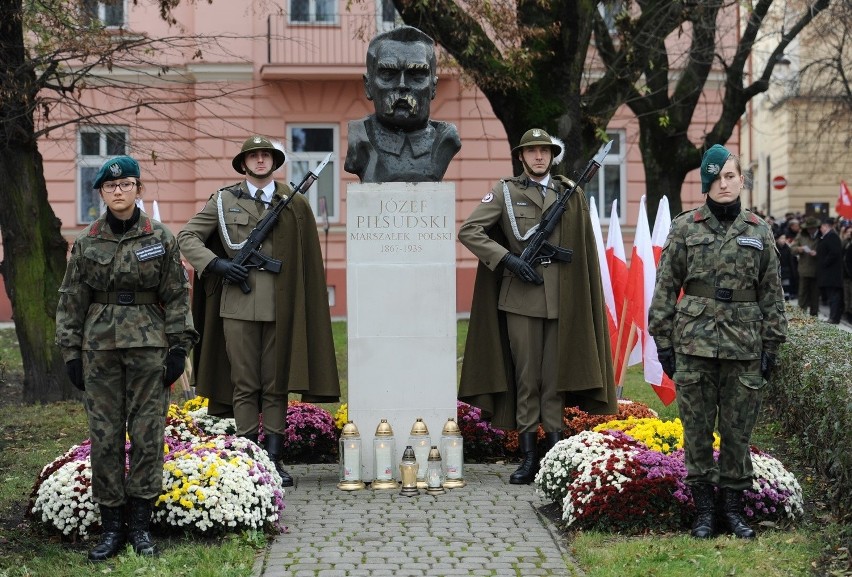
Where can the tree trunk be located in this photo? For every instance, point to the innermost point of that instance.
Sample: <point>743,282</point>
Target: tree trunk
<point>34,250</point>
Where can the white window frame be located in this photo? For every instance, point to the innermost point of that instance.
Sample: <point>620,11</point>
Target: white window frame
<point>312,15</point>
<point>386,25</point>
<point>332,170</point>
<point>84,187</point>
<point>619,160</point>
<point>102,12</point>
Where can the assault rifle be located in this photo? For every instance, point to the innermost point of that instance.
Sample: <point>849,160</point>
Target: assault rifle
<point>539,250</point>
<point>249,255</point>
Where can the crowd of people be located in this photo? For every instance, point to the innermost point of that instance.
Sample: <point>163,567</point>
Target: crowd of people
<point>816,263</point>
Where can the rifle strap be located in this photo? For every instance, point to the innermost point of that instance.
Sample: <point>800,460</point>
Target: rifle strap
<point>510,212</point>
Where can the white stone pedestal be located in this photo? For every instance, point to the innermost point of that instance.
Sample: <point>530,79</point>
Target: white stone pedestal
<point>401,303</point>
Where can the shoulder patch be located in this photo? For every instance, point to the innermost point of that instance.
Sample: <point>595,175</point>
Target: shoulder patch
<point>488,197</point>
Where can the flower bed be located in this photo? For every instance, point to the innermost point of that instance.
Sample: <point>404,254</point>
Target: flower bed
<point>211,483</point>
<point>609,480</point>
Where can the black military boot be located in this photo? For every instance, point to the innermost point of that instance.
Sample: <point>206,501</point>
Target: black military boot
<point>112,534</point>
<point>550,440</point>
<point>525,474</point>
<point>275,450</point>
<point>138,532</point>
<point>732,512</point>
<point>704,526</point>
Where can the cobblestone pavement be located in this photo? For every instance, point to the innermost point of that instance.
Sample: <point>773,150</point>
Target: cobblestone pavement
<point>488,527</point>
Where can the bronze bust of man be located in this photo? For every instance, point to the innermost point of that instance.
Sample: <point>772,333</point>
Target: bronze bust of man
<point>399,143</point>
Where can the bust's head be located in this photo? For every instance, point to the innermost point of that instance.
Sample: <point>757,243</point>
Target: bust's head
<point>400,77</point>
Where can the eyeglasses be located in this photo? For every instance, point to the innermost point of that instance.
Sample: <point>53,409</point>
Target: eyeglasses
<point>125,186</point>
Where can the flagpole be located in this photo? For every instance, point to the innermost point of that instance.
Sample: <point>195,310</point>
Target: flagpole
<point>631,340</point>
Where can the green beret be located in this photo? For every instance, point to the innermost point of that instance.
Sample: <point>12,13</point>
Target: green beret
<point>711,165</point>
<point>115,168</point>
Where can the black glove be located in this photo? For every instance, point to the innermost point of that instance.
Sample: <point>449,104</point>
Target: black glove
<point>667,359</point>
<point>235,273</point>
<point>767,363</point>
<point>175,365</point>
<point>74,368</point>
<point>522,269</point>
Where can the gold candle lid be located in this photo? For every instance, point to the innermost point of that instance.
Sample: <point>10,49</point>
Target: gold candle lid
<point>434,454</point>
<point>384,429</point>
<point>451,428</point>
<point>408,456</point>
<point>349,430</point>
<point>419,428</point>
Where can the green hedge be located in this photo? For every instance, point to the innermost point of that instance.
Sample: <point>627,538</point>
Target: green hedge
<point>811,398</point>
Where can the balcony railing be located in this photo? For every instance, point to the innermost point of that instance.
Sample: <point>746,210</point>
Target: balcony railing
<point>339,40</point>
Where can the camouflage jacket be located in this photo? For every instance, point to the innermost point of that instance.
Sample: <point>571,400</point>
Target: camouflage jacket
<point>145,259</point>
<point>743,258</point>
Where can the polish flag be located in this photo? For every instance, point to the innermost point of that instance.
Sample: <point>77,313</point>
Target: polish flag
<point>609,299</point>
<point>640,290</point>
<point>844,201</point>
<point>662,224</point>
<point>618,272</point>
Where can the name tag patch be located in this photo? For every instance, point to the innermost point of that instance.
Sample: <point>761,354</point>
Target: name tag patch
<point>150,252</point>
<point>751,241</point>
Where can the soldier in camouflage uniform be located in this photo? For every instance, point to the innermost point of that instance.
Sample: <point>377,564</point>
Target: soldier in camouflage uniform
<point>124,327</point>
<point>719,341</point>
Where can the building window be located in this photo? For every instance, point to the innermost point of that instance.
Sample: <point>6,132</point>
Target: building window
<point>111,13</point>
<point>610,11</point>
<point>313,11</point>
<point>309,145</point>
<point>95,147</point>
<point>388,18</point>
<point>610,182</point>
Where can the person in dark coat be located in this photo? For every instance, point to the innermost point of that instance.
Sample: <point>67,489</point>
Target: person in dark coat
<point>829,274</point>
<point>535,348</point>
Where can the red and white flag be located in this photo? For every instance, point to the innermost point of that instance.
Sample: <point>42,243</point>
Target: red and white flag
<point>640,291</point>
<point>609,299</point>
<point>844,201</point>
<point>662,224</point>
<point>617,264</point>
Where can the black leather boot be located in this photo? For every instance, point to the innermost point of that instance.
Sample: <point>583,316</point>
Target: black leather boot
<point>550,440</point>
<point>275,450</point>
<point>732,512</point>
<point>138,532</point>
<point>704,526</point>
<point>525,474</point>
<point>112,534</point>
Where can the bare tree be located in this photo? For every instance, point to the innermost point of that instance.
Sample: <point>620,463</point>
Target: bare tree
<point>52,54</point>
<point>567,65</point>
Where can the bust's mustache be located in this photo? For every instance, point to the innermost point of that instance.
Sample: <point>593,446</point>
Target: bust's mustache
<point>394,100</point>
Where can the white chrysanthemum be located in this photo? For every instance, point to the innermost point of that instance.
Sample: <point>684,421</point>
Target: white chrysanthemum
<point>64,499</point>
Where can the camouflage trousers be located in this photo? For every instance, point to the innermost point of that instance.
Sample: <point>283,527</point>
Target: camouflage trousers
<point>730,391</point>
<point>125,397</point>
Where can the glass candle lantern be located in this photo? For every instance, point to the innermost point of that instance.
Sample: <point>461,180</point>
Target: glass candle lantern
<point>384,457</point>
<point>349,449</point>
<point>435,473</point>
<point>452,451</point>
<point>408,473</point>
<point>420,441</point>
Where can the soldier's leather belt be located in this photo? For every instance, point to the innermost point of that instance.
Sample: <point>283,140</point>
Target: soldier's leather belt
<point>720,294</point>
<point>125,298</point>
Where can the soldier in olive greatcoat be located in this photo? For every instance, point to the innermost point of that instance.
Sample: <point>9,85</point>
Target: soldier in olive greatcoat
<point>718,342</point>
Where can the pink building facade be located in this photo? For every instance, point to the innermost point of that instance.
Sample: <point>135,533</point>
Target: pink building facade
<point>297,78</point>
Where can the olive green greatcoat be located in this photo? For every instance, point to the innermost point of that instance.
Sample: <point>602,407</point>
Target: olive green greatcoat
<point>585,371</point>
<point>305,359</point>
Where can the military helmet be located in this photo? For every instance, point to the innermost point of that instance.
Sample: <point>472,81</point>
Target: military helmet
<point>259,143</point>
<point>539,137</point>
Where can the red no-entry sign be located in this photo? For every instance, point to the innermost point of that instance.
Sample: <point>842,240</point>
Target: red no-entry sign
<point>779,182</point>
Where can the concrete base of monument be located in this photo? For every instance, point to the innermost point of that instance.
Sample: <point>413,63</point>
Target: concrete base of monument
<point>401,298</point>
